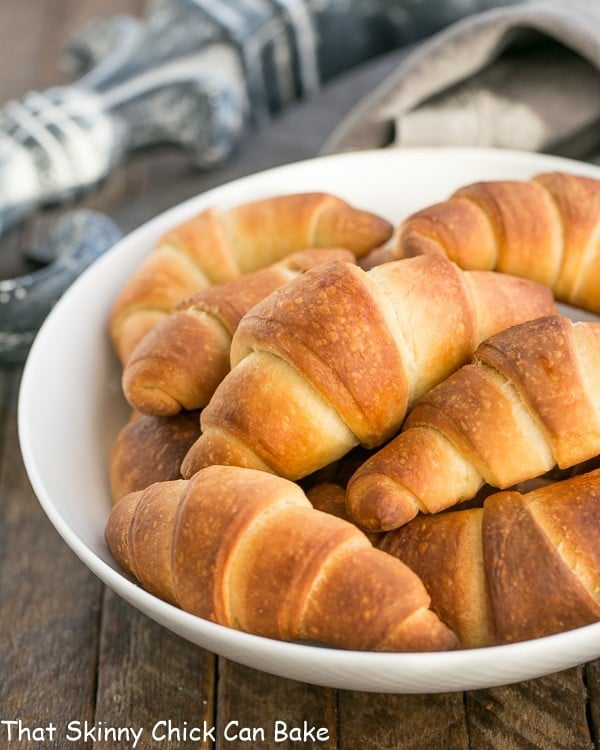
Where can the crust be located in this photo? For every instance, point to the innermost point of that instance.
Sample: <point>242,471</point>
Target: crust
<point>150,449</point>
<point>540,359</point>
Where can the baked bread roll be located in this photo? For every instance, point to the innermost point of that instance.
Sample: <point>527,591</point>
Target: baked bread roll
<point>544,229</point>
<point>334,359</point>
<point>529,401</point>
<point>216,246</point>
<point>150,449</point>
<point>247,550</point>
<point>521,567</point>
<point>180,362</point>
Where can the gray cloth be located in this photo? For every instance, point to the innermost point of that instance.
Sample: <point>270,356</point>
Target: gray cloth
<point>525,76</point>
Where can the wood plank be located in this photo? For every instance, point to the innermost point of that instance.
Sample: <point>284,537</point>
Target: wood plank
<point>49,603</point>
<point>545,713</point>
<point>374,721</point>
<point>8,375</point>
<point>22,28</point>
<point>592,680</point>
<point>259,710</point>
<point>148,677</point>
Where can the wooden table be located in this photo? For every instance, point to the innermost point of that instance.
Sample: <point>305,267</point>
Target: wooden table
<point>72,651</point>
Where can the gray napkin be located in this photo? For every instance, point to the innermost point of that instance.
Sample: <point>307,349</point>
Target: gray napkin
<point>525,77</point>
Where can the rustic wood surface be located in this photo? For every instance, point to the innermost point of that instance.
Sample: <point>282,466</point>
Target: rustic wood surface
<point>71,650</point>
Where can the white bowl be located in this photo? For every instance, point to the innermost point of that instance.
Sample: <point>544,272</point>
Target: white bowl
<point>71,408</point>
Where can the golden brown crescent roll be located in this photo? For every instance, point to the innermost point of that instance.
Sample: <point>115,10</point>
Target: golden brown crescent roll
<point>335,358</point>
<point>150,449</point>
<point>546,229</point>
<point>521,567</point>
<point>247,550</point>
<point>216,246</point>
<point>529,401</point>
<point>179,363</point>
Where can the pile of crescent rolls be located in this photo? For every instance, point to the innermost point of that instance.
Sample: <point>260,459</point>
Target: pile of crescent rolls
<point>367,436</point>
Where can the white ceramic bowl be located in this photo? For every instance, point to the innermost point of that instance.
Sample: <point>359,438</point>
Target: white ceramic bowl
<point>71,409</point>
